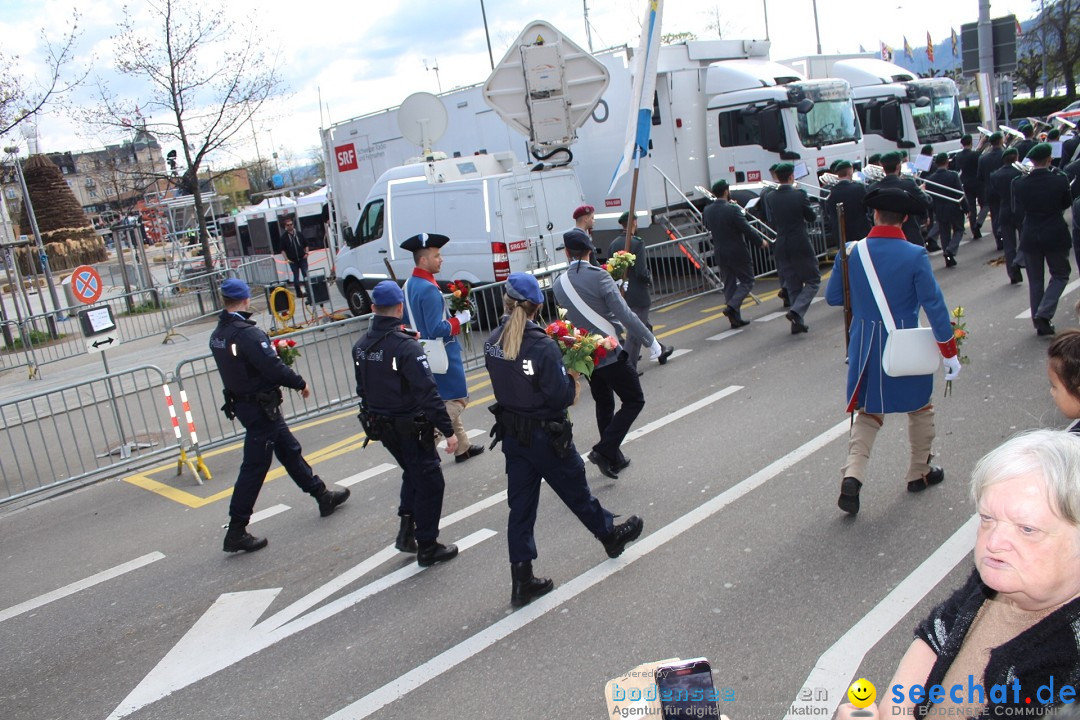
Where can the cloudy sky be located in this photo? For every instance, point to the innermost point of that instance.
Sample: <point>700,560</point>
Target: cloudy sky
<point>363,55</point>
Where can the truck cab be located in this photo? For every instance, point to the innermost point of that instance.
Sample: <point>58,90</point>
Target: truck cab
<point>500,216</point>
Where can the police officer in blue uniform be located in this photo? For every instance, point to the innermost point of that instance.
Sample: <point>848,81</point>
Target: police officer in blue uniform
<point>400,406</point>
<point>533,391</point>
<point>253,375</point>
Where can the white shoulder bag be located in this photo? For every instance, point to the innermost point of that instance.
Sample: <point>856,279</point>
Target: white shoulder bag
<point>434,348</point>
<point>908,351</point>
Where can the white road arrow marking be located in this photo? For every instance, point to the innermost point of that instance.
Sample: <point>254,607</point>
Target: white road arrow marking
<point>230,630</point>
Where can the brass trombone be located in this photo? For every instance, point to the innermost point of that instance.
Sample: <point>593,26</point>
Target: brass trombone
<point>906,172</point>
<point>876,173</point>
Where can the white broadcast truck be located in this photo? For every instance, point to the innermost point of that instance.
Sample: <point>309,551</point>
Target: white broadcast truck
<point>722,110</point>
<point>897,109</point>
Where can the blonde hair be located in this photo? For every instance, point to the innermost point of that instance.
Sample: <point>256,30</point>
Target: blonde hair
<point>518,312</point>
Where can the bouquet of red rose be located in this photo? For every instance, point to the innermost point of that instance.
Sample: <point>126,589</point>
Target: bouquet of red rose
<point>460,300</point>
<point>581,351</point>
<point>286,350</point>
<point>960,334</point>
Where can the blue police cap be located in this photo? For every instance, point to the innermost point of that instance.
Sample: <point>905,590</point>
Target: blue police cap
<point>522,286</point>
<point>387,294</point>
<point>424,240</point>
<point>235,289</point>
<point>577,240</point>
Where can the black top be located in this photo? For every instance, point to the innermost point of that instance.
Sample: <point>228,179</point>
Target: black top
<point>1024,147</point>
<point>1048,649</point>
<point>946,210</point>
<point>856,221</point>
<point>292,244</point>
<point>536,383</point>
<point>789,210</point>
<point>1043,196</point>
<point>999,191</point>
<point>393,377</point>
<point>731,231</point>
<point>245,358</point>
<point>1072,172</point>
<point>966,162</point>
<point>989,161</point>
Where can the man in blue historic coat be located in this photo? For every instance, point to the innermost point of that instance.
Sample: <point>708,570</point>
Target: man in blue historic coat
<point>426,312</point>
<point>908,284</point>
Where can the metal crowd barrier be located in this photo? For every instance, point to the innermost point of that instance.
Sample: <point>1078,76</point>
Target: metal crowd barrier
<point>82,431</point>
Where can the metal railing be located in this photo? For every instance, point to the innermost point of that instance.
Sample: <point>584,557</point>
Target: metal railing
<point>82,431</point>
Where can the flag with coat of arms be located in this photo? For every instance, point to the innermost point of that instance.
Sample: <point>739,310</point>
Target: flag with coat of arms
<point>886,53</point>
<point>929,47</point>
<point>908,52</point>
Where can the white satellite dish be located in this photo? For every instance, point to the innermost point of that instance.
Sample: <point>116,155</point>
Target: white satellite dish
<point>422,120</point>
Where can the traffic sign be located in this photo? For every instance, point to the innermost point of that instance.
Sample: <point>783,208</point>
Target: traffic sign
<point>86,284</point>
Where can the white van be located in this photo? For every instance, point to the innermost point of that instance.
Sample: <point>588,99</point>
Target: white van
<point>500,215</point>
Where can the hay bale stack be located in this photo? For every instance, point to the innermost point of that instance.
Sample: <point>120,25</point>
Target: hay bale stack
<point>66,231</point>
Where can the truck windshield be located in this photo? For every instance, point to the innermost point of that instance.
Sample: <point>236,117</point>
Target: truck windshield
<point>939,121</point>
<point>832,120</point>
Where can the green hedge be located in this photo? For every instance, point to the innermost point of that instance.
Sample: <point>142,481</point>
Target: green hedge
<point>1023,107</point>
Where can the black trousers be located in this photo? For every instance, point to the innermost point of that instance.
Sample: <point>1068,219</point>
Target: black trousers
<point>1044,301</point>
<point>525,467</point>
<point>422,482</point>
<point>266,438</point>
<point>298,268</point>
<point>618,378</point>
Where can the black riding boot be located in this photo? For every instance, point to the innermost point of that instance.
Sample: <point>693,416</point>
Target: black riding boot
<point>237,538</point>
<point>406,536</point>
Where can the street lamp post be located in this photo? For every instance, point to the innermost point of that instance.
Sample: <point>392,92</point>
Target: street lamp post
<point>13,151</point>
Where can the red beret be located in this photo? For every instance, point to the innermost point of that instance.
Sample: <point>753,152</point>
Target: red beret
<point>583,210</point>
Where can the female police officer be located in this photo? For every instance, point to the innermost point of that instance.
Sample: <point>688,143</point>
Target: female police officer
<point>533,391</point>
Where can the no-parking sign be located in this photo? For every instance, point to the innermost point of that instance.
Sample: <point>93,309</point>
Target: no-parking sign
<point>86,284</point>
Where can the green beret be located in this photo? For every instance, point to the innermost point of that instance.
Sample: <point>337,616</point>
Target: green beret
<point>719,188</point>
<point>995,137</point>
<point>1054,134</point>
<point>772,168</point>
<point>893,158</point>
<point>841,165</point>
<point>873,159</point>
<point>624,218</point>
<point>1042,151</point>
<point>903,155</point>
<point>927,150</point>
<point>965,139</point>
<point>1010,152</point>
<point>941,158</point>
<point>785,168</point>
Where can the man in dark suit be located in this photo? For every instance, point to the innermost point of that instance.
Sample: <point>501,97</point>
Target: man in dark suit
<point>295,250</point>
<point>948,213</point>
<point>760,212</point>
<point>850,194</point>
<point>999,190</point>
<point>1024,146</point>
<point>1043,196</point>
<point>637,282</point>
<point>789,210</point>
<point>990,161</point>
<point>890,163</point>
<point>732,235</point>
<point>966,162</point>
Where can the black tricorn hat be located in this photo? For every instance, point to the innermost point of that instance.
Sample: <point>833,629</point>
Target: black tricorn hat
<point>424,240</point>
<point>894,199</point>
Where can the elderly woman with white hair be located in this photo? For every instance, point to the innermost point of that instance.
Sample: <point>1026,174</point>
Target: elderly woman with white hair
<point>1008,641</point>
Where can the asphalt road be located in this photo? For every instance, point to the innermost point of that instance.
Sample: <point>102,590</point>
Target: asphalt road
<point>745,558</point>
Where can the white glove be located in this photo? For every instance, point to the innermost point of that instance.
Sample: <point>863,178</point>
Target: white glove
<point>952,367</point>
<point>655,349</point>
<point>463,317</point>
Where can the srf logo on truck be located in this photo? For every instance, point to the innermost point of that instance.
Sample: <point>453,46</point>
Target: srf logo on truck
<point>346,157</point>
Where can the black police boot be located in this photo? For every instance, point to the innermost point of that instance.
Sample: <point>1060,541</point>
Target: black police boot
<point>526,586</point>
<point>237,538</point>
<point>849,495</point>
<point>432,552</point>
<point>406,536</point>
<point>330,499</point>
<point>622,535</point>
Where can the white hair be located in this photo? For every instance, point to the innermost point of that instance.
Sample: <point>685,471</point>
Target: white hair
<point>1053,455</point>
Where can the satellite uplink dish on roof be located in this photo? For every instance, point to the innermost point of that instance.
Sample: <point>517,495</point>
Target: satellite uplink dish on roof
<point>546,87</point>
<point>422,120</point>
